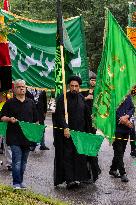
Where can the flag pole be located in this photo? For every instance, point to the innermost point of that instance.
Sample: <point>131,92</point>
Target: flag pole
<point>64,84</point>
<point>60,30</point>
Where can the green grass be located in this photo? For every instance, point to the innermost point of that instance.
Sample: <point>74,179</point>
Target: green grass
<point>9,196</point>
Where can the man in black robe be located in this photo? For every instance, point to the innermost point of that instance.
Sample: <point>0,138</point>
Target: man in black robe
<point>70,166</point>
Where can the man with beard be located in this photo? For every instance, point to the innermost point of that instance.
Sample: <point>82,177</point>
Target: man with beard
<point>69,166</point>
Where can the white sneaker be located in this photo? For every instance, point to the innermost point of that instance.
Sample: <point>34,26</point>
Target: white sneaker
<point>16,186</point>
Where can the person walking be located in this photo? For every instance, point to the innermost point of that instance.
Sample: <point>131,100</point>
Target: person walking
<point>19,108</point>
<point>70,166</point>
<point>123,128</point>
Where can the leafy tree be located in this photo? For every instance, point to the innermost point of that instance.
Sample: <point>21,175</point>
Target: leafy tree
<point>92,11</point>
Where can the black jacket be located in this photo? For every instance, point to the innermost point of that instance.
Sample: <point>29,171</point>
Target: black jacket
<point>127,107</point>
<point>42,106</point>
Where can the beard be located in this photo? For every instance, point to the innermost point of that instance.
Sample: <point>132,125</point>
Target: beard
<point>74,93</point>
<point>92,86</point>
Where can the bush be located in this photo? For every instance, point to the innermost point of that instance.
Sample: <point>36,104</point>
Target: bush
<point>9,196</point>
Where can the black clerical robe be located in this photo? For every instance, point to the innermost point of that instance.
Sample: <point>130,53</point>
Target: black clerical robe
<point>68,164</point>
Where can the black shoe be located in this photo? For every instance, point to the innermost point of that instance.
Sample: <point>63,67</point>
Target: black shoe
<point>115,174</point>
<point>124,178</point>
<point>72,185</point>
<point>9,168</point>
<point>133,153</point>
<point>44,148</point>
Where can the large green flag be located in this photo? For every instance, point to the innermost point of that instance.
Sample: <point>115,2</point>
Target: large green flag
<point>33,46</point>
<point>116,76</point>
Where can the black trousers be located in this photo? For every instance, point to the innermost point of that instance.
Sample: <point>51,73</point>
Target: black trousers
<point>42,141</point>
<point>119,146</point>
<point>133,138</point>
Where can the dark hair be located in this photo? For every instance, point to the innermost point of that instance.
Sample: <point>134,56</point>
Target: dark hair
<point>93,76</point>
<point>74,78</point>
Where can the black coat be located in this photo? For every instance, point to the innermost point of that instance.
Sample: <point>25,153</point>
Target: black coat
<point>126,108</point>
<point>68,164</point>
<point>89,104</point>
<point>42,106</point>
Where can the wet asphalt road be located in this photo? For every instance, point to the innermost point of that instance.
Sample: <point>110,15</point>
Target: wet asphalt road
<point>106,191</point>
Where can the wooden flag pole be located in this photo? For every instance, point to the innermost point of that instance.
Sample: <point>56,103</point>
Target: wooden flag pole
<point>64,83</point>
<point>60,30</point>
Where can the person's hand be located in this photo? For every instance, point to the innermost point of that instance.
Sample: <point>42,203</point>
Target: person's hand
<point>128,124</point>
<point>66,132</point>
<point>89,97</point>
<point>13,120</point>
<point>124,119</point>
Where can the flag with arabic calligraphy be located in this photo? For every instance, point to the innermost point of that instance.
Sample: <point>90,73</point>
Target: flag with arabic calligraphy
<point>62,41</point>
<point>116,76</point>
<point>32,50</point>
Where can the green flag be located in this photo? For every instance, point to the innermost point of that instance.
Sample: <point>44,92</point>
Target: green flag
<point>33,47</point>
<point>3,129</point>
<point>66,39</point>
<point>86,143</point>
<point>59,55</point>
<point>116,76</point>
<point>68,51</point>
<point>58,70</point>
<point>32,131</point>
<point>62,43</point>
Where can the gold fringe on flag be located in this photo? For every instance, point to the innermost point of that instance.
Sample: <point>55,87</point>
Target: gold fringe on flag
<point>131,33</point>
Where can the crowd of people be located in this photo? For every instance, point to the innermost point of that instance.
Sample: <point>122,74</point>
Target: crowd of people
<point>69,166</point>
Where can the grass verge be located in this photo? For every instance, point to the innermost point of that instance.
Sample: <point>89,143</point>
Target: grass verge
<point>9,196</point>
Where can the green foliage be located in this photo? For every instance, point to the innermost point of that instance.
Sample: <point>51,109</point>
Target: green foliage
<point>1,4</point>
<point>92,11</point>
<point>7,28</point>
<point>9,196</point>
<point>134,100</point>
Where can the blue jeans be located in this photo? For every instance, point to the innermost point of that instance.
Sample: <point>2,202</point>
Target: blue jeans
<point>19,160</point>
